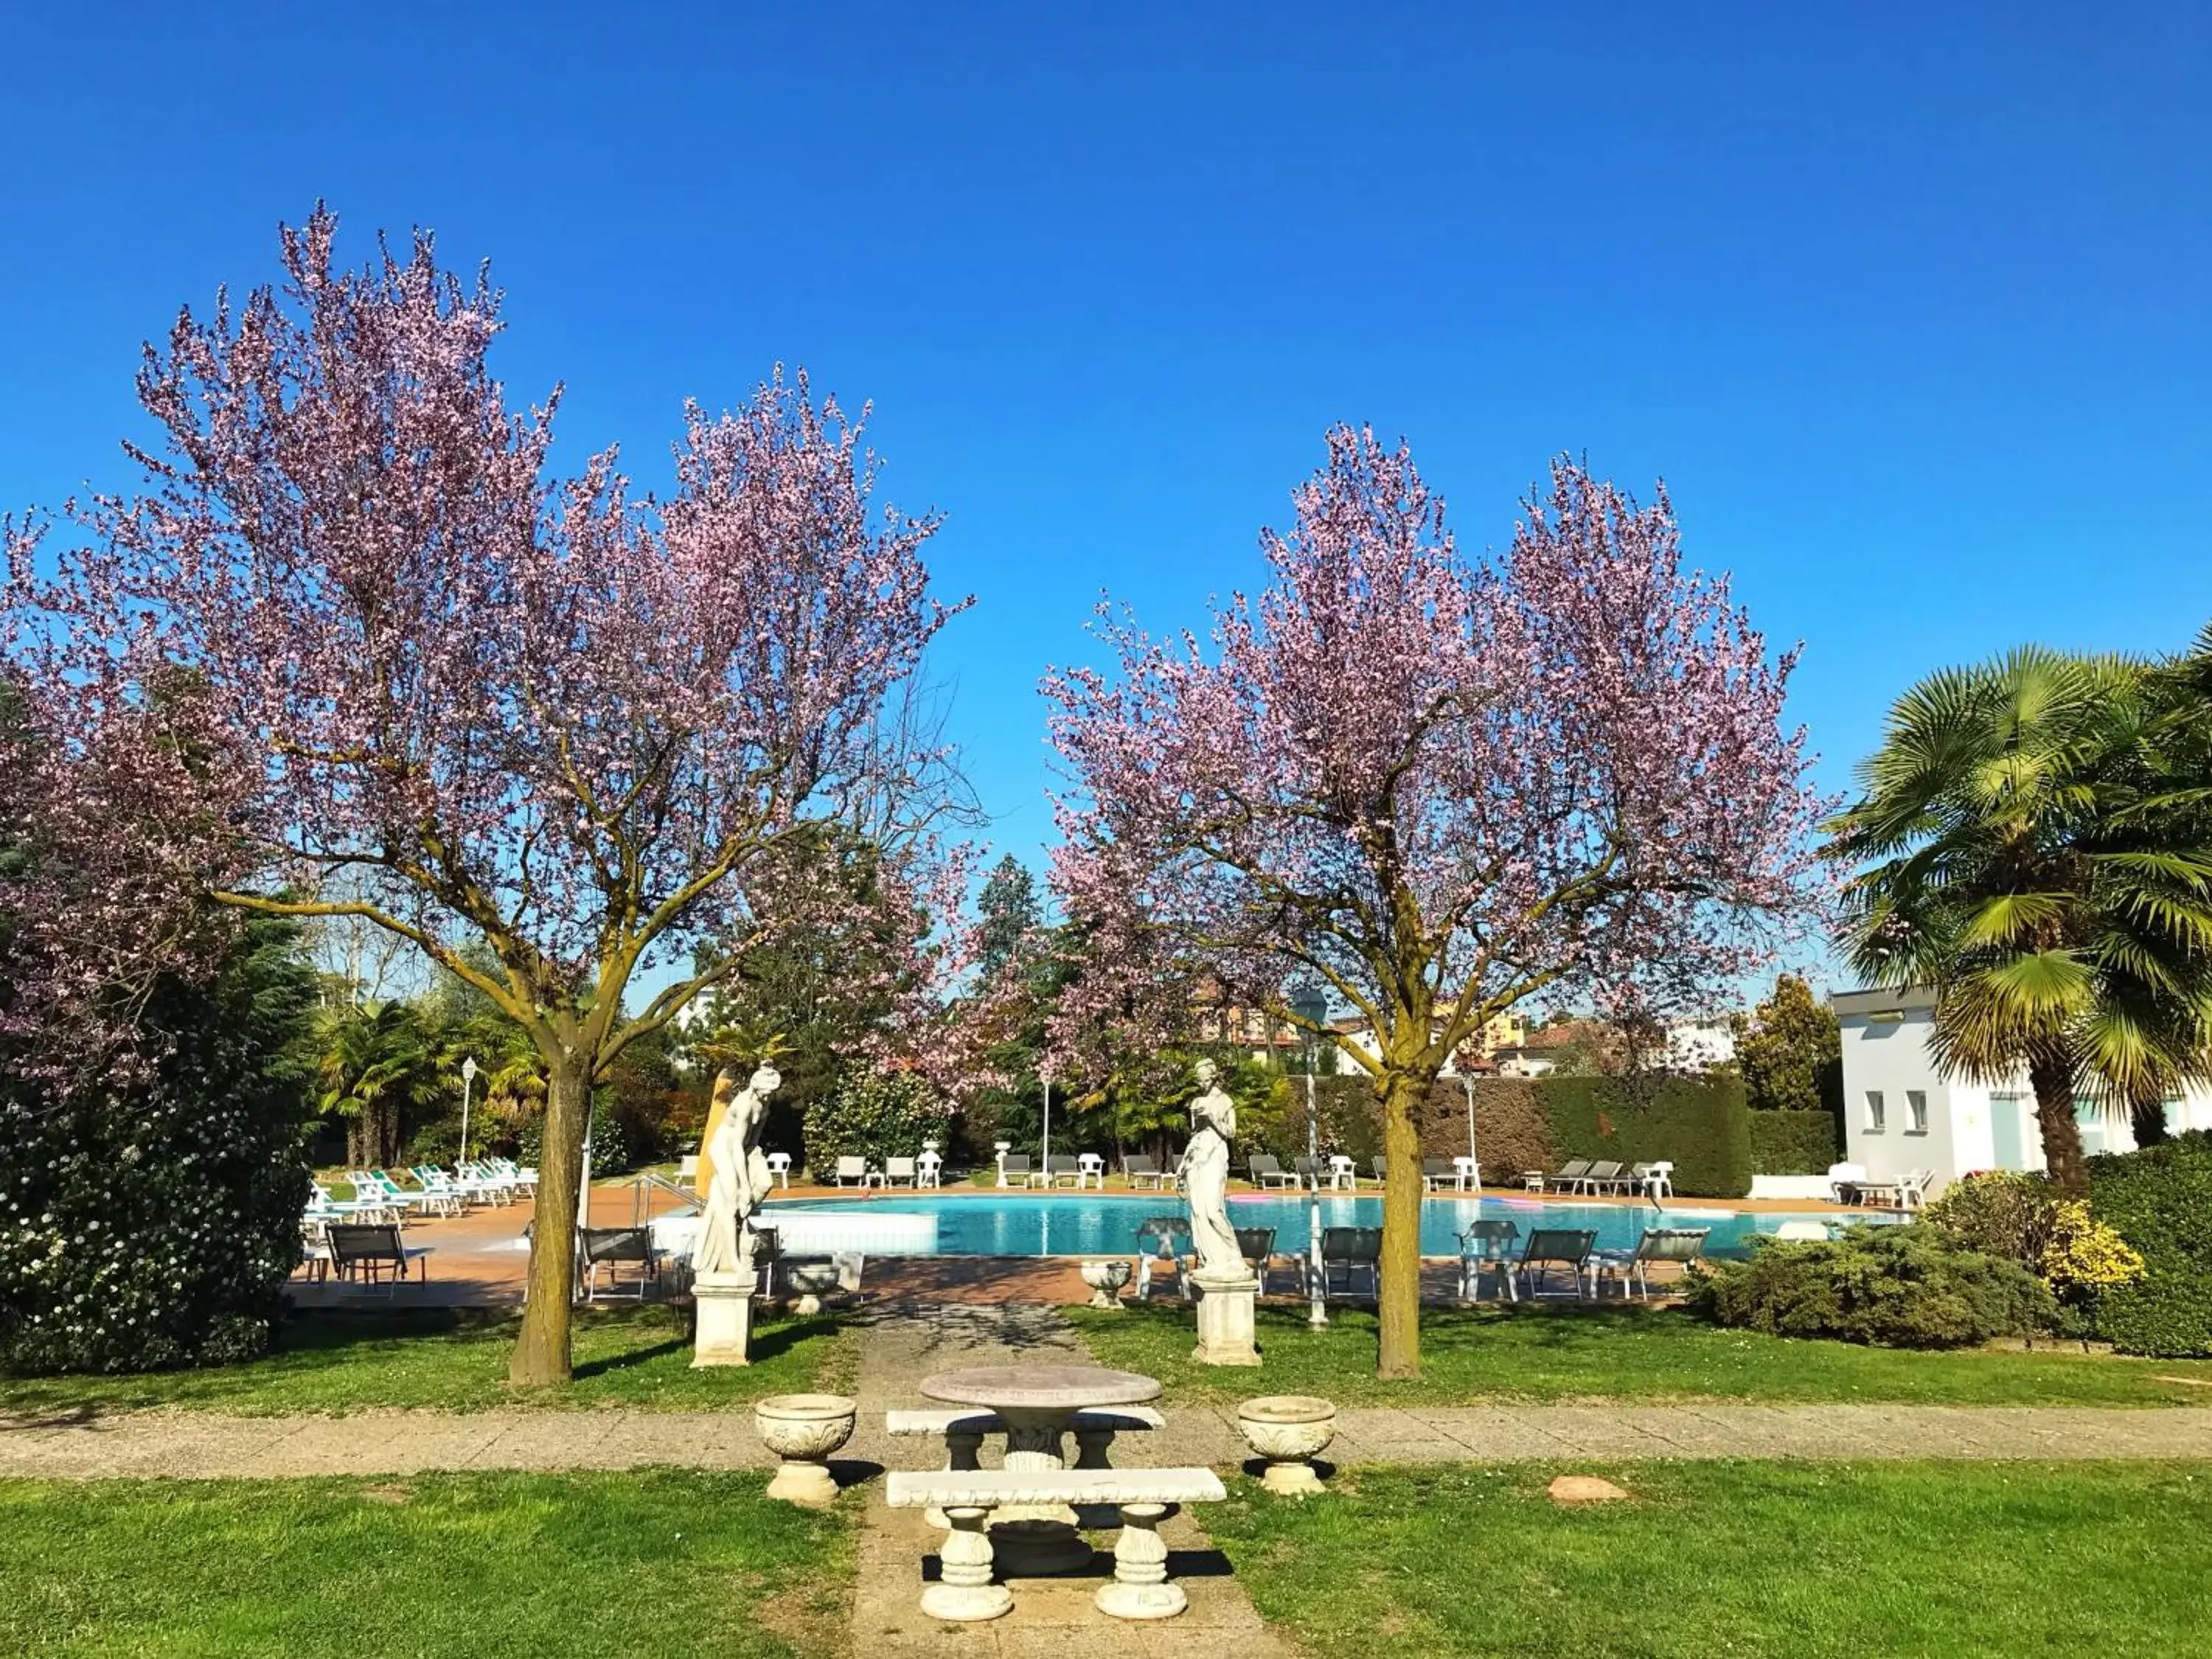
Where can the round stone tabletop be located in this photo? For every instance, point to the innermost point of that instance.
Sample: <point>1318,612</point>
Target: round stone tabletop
<point>1040,1388</point>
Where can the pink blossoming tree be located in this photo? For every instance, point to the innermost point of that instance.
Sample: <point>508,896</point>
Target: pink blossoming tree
<point>406,673</point>
<point>1434,786</point>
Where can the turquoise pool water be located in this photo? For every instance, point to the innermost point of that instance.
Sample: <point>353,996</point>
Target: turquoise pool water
<point>1090,1223</point>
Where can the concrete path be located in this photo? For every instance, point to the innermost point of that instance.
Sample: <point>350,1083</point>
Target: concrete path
<point>1054,1617</point>
<point>206,1445</point>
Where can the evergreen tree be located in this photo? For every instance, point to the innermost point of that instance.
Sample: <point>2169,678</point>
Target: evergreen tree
<point>1789,1051</point>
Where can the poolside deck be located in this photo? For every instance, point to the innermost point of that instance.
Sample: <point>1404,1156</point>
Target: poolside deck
<point>477,1259</point>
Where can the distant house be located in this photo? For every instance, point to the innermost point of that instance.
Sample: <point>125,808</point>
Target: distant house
<point>1478,1058</point>
<point>1691,1043</point>
<point>1900,1115</point>
<point>1698,1042</point>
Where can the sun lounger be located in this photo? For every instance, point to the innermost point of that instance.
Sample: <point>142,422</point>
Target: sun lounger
<point>1144,1175</point>
<point>1257,1245</point>
<point>1566,1178</point>
<point>364,1253</point>
<point>1353,1250</point>
<point>1559,1246</point>
<point>612,1246</point>
<point>1681,1245</point>
<point>1267,1170</point>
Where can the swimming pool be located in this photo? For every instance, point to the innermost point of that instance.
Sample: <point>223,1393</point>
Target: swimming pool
<point>1091,1223</point>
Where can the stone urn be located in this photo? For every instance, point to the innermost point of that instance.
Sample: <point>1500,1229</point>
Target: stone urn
<point>1289,1431</point>
<point>1106,1279</point>
<point>803,1430</point>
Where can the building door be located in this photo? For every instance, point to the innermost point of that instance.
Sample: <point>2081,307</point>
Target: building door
<point>2007,1137</point>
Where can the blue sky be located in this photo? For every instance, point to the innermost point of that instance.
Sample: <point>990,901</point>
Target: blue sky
<point>1909,309</point>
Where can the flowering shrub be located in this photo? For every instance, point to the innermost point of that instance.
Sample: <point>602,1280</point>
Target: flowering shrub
<point>2006,1212</point>
<point>2084,1255</point>
<point>153,1226</point>
<point>2022,1217</point>
<point>875,1115</point>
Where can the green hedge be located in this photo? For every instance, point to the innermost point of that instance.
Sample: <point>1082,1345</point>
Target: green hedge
<point>1699,1124</point>
<point>1794,1143</point>
<point>2159,1199</point>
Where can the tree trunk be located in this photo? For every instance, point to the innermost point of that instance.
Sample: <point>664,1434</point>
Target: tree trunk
<point>2147,1119</point>
<point>1398,1298</point>
<point>2053,1081</point>
<point>541,1352</point>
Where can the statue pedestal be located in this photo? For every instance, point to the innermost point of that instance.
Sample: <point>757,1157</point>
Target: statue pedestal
<point>725,1305</point>
<point>1226,1307</point>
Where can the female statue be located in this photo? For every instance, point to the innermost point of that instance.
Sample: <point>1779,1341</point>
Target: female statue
<point>740,1179</point>
<point>1204,1175</point>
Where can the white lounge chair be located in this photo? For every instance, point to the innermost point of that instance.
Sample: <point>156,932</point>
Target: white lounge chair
<point>898,1172</point>
<point>853,1170</point>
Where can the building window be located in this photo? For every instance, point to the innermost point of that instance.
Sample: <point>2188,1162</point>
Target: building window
<point>1916,1111</point>
<point>1874,1111</point>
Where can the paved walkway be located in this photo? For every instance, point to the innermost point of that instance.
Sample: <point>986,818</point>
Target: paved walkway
<point>1054,1617</point>
<point>208,1445</point>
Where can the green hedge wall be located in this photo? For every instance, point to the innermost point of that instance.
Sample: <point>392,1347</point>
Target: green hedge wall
<point>2161,1200</point>
<point>1700,1124</point>
<point>1794,1143</point>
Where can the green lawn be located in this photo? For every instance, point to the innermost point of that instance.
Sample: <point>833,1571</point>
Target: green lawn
<point>456,1361</point>
<point>1799,1561</point>
<point>669,1564</point>
<point>1614,1353</point>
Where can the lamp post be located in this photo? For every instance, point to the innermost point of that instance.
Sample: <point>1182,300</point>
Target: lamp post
<point>1311,1005</point>
<point>468,1082</point>
<point>1473,1159</point>
<point>1044,1155</point>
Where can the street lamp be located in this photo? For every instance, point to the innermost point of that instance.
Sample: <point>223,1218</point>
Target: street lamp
<point>468,1081</point>
<point>1311,1005</point>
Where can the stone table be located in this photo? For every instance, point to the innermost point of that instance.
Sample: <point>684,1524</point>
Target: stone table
<point>1038,1404</point>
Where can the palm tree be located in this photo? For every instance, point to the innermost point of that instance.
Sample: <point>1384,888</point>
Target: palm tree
<point>2024,862</point>
<point>373,1061</point>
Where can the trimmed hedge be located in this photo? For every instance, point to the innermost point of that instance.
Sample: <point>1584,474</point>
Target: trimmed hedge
<point>1700,1124</point>
<point>1794,1143</point>
<point>2159,1199</point>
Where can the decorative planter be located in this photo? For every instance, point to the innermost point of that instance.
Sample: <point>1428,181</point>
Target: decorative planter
<point>1106,1279</point>
<point>803,1430</point>
<point>1288,1430</point>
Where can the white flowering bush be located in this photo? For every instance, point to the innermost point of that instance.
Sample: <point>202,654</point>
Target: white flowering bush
<point>152,1224</point>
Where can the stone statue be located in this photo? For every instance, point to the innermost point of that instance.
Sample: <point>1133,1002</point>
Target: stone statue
<point>739,1181</point>
<point>1205,1176</point>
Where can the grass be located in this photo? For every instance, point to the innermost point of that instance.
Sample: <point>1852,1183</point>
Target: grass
<point>673,1563</point>
<point>1535,1354</point>
<point>452,1360</point>
<point>1827,1561</point>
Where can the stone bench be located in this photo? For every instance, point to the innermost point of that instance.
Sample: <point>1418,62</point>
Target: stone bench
<point>963,1428</point>
<point>1139,1590</point>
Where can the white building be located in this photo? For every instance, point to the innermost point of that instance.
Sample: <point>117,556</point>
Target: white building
<point>1900,1115</point>
<point>1698,1043</point>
